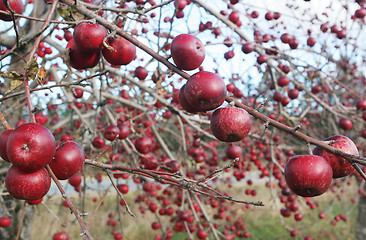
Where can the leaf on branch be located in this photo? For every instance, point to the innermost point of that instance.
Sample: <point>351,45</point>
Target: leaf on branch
<point>31,68</point>
<point>41,75</point>
<point>15,78</point>
<point>66,13</point>
<point>77,16</point>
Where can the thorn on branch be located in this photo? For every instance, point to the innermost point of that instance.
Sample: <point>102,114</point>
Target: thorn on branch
<point>298,127</point>
<point>330,142</point>
<point>35,109</point>
<point>309,148</point>
<point>260,105</point>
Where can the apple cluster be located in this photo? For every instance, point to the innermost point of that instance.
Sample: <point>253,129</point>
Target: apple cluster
<point>90,41</point>
<point>30,148</point>
<point>205,91</point>
<point>311,175</point>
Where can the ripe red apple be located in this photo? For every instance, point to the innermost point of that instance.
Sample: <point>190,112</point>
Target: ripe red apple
<point>283,81</point>
<point>184,102</point>
<point>311,42</point>
<point>98,142</point>
<point>118,236</point>
<point>111,132</point>
<point>155,225</point>
<point>68,160</point>
<point>15,5</point>
<point>233,151</point>
<point>123,188</point>
<point>143,145</point>
<point>247,47</point>
<point>124,131</point>
<point>341,167</point>
<point>141,73</point>
<point>187,52</point>
<point>3,143</point>
<point>89,36</point>
<point>124,51</point>
<point>234,16</point>
<point>5,221</point>
<point>293,93</point>
<point>27,185</point>
<point>201,234</point>
<point>60,236</point>
<point>205,91</point>
<point>308,175</point>
<point>345,124</point>
<point>79,59</point>
<point>361,104</point>
<point>30,147</point>
<point>75,180</point>
<point>77,92</point>
<point>230,124</point>
<point>173,166</point>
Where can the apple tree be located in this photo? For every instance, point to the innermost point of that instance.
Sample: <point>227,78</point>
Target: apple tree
<point>186,101</point>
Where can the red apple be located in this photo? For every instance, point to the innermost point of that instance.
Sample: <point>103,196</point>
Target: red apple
<point>184,102</point>
<point>79,59</point>
<point>27,185</point>
<point>3,143</point>
<point>293,93</point>
<point>15,5</point>
<point>345,124</point>
<point>141,73</point>
<point>5,221</point>
<point>123,188</point>
<point>201,234</point>
<point>124,131</point>
<point>341,167</point>
<point>89,36</point>
<point>30,147</point>
<point>111,132</point>
<point>75,180</point>
<point>283,81</point>
<point>230,124</point>
<point>247,47</point>
<point>155,225</point>
<point>143,145</point>
<point>205,91</point>
<point>60,236</point>
<point>308,175</point>
<point>68,160</point>
<point>361,104</point>
<point>124,51</point>
<point>77,92</point>
<point>187,51</point>
<point>233,151</point>
<point>173,166</point>
<point>98,142</point>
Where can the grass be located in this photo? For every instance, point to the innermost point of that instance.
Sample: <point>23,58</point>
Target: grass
<point>260,222</point>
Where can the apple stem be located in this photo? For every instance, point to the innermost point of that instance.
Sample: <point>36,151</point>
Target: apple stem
<point>25,147</point>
